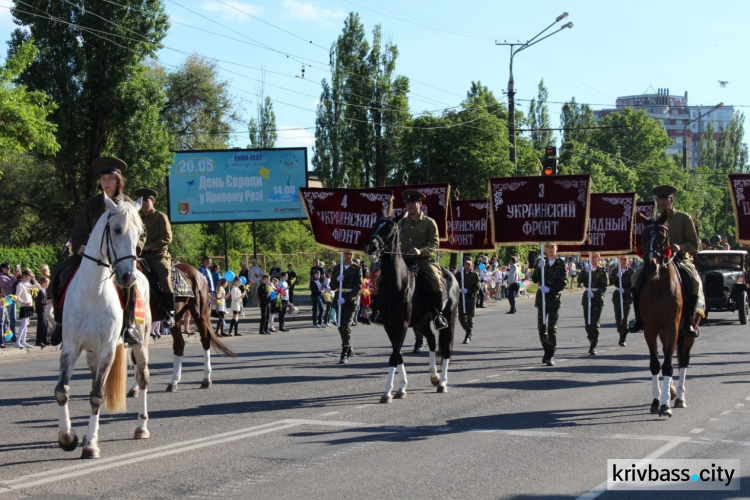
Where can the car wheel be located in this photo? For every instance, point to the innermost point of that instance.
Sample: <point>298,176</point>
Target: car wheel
<point>744,306</point>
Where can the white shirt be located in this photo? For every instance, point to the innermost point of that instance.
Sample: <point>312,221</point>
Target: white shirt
<point>513,274</point>
<point>255,273</point>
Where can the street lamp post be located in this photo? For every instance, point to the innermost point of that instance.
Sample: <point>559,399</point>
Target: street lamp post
<point>684,132</point>
<point>511,85</point>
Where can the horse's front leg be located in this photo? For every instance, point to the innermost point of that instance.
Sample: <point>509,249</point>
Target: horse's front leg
<point>178,347</point>
<point>443,384</point>
<point>99,370</point>
<point>401,392</point>
<point>445,340</point>
<point>667,370</point>
<point>655,369</point>
<point>206,383</point>
<point>395,360</point>
<point>684,345</point>
<point>142,375</point>
<point>434,378</point>
<point>66,436</point>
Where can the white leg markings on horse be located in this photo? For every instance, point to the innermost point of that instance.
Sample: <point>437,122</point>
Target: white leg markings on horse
<point>696,431</point>
<point>589,495</point>
<point>45,477</point>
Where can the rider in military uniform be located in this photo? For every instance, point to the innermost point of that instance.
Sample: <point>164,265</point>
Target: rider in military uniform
<point>684,241</point>
<point>596,294</point>
<point>419,244</point>
<point>351,285</point>
<point>156,250</point>
<point>470,290</point>
<point>626,272</point>
<point>111,182</point>
<point>555,281</point>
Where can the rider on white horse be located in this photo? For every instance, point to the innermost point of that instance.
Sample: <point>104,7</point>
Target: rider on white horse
<point>156,250</point>
<point>109,170</point>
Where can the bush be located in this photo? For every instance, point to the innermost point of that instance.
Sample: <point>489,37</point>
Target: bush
<point>31,257</point>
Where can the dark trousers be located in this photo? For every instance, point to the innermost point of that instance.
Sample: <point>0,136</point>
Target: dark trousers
<point>512,289</point>
<point>291,294</point>
<point>317,309</point>
<point>282,314</point>
<point>265,312</point>
<point>327,314</point>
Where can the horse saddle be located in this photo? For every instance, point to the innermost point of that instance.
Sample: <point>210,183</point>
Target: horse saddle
<point>180,283</point>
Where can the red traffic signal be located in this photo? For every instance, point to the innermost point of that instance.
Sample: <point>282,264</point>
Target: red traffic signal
<point>550,161</point>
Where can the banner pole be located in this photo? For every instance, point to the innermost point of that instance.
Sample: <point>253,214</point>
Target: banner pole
<point>341,287</point>
<point>461,262</point>
<point>544,302</point>
<point>591,271</point>
<point>622,308</point>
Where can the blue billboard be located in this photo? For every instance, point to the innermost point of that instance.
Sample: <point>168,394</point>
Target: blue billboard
<point>236,185</point>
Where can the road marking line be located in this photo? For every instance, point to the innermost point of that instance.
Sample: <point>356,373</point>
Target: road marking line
<point>159,452</point>
<point>364,406</point>
<point>493,376</point>
<point>522,433</point>
<point>713,419</point>
<point>727,412</point>
<point>473,381</point>
<point>330,413</point>
<point>591,494</point>
<point>739,405</point>
<point>696,431</point>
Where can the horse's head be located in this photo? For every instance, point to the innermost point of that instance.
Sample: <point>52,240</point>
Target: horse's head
<point>382,237</point>
<point>655,244</point>
<point>121,234</point>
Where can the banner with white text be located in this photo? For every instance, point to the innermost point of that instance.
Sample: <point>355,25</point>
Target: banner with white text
<point>530,210</point>
<point>236,185</point>
<point>738,183</point>
<point>610,226</point>
<point>435,205</point>
<point>343,218</point>
<point>469,228</point>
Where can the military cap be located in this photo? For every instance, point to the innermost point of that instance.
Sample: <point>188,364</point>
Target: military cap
<point>665,191</point>
<point>108,165</point>
<point>413,195</point>
<point>145,193</point>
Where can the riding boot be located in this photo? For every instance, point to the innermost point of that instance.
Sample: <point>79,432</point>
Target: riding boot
<point>690,329</point>
<point>168,321</point>
<point>129,333</point>
<point>220,327</point>
<point>438,319</point>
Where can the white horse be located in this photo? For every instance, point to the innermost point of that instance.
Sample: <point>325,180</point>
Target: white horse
<point>92,321</point>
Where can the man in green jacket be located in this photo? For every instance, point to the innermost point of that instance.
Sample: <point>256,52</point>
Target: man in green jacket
<point>351,284</point>
<point>468,279</point>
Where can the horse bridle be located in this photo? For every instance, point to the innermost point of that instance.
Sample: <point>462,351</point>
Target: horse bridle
<point>380,240</point>
<point>652,240</point>
<point>107,240</point>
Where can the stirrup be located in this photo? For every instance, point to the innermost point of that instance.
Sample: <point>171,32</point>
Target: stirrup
<point>635,327</point>
<point>129,337</point>
<point>440,322</point>
<point>691,332</point>
<point>168,321</point>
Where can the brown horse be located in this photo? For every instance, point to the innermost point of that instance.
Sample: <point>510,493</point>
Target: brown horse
<point>200,312</point>
<point>661,310</point>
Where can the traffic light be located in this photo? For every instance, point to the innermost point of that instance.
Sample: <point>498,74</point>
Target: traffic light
<point>550,161</point>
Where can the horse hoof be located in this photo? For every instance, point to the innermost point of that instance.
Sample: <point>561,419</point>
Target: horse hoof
<point>680,403</point>
<point>665,410</point>
<point>442,389</point>
<point>88,454</point>
<point>672,392</point>
<point>400,395</point>
<point>141,433</point>
<point>206,383</point>
<point>172,388</point>
<point>70,444</point>
<point>654,406</point>
<point>386,399</point>
<point>133,393</point>
<point>435,380</point>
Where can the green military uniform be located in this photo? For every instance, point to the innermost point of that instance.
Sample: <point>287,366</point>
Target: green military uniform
<point>621,317</point>
<point>599,287</point>
<point>156,250</point>
<point>556,279</point>
<point>350,288</point>
<point>422,233</point>
<point>468,300</point>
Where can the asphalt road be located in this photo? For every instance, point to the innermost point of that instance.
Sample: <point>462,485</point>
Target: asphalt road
<point>286,420</point>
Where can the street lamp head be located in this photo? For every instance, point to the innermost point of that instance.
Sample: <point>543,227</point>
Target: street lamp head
<point>569,25</point>
<point>561,17</point>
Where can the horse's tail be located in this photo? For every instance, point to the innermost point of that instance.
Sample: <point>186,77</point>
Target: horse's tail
<point>114,387</point>
<point>216,342</point>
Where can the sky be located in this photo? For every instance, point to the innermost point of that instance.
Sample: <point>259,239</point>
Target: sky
<point>614,49</point>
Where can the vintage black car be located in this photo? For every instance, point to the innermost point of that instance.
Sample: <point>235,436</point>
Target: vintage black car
<point>724,276</point>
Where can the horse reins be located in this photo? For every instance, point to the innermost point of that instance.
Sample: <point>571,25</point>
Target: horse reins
<point>652,240</point>
<point>107,239</point>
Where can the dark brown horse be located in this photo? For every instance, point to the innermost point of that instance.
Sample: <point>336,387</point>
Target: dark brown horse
<point>661,301</point>
<point>402,305</point>
<point>200,312</point>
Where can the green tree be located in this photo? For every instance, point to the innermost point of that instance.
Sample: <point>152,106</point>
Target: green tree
<point>539,120</point>
<point>23,113</point>
<point>263,129</point>
<point>90,63</point>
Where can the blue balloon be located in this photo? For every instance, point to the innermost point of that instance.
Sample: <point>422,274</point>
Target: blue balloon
<point>273,295</point>
<point>481,266</point>
<point>229,275</point>
<point>243,280</point>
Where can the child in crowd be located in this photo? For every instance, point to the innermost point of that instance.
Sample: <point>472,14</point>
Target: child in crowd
<point>27,307</point>
<point>275,304</point>
<point>327,296</point>
<point>264,301</point>
<point>238,295</point>
<point>283,290</point>
<point>316,291</point>
<point>221,308</point>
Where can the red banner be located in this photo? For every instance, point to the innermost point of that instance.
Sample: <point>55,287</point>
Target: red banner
<point>610,226</point>
<point>738,183</point>
<point>540,209</point>
<point>435,205</point>
<point>342,219</point>
<point>469,228</point>
<point>648,210</point>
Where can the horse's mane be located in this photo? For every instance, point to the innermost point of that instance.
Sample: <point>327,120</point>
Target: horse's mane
<point>659,220</point>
